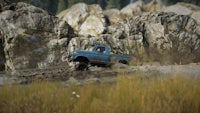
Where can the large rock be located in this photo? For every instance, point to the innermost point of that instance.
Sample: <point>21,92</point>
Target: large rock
<point>85,19</point>
<point>29,34</point>
<point>92,26</point>
<point>154,6</point>
<point>113,16</point>
<point>133,9</point>
<point>178,9</point>
<point>185,9</point>
<point>182,8</point>
<point>75,15</point>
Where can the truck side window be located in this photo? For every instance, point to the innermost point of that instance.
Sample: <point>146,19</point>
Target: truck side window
<point>98,49</point>
<point>101,49</point>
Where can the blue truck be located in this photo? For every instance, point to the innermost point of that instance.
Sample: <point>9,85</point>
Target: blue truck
<point>99,56</point>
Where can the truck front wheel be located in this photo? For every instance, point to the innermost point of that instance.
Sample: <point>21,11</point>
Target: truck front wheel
<point>81,66</point>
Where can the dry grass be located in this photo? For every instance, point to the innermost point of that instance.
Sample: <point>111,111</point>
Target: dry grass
<point>130,94</point>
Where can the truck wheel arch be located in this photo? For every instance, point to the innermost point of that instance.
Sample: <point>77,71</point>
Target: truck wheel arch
<point>82,59</point>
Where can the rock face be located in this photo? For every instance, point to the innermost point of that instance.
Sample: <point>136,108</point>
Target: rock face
<point>31,37</point>
<point>75,15</point>
<point>157,36</point>
<point>85,19</point>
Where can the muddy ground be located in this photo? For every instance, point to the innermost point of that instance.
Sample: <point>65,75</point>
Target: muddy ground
<point>68,74</point>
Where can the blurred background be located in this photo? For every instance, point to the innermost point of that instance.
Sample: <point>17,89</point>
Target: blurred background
<point>56,6</point>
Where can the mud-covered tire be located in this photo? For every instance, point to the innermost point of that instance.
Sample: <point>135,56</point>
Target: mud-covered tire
<point>81,66</point>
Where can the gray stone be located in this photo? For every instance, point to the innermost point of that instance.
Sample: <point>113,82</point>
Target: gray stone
<point>26,33</point>
<point>76,15</point>
<point>132,9</point>
<point>178,9</point>
<point>113,15</point>
<point>84,19</point>
<point>92,26</point>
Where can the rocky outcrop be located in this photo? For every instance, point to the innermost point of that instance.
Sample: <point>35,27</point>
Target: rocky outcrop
<point>86,20</point>
<point>32,38</point>
<point>75,15</point>
<point>152,36</point>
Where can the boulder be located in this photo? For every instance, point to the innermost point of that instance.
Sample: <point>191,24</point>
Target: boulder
<point>133,9</point>
<point>185,9</point>
<point>92,26</point>
<point>113,16</point>
<point>154,6</point>
<point>84,19</point>
<point>75,15</point>
<point>178,9</point>
<point>28,34</point>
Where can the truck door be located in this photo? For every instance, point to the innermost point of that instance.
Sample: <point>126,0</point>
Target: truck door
<point>101,55</point>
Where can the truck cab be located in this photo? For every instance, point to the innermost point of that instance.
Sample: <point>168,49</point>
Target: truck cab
<point>99,56</point>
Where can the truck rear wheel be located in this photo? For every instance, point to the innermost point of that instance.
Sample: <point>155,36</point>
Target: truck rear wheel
<point>113,60</point>
<point>123,62</point>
